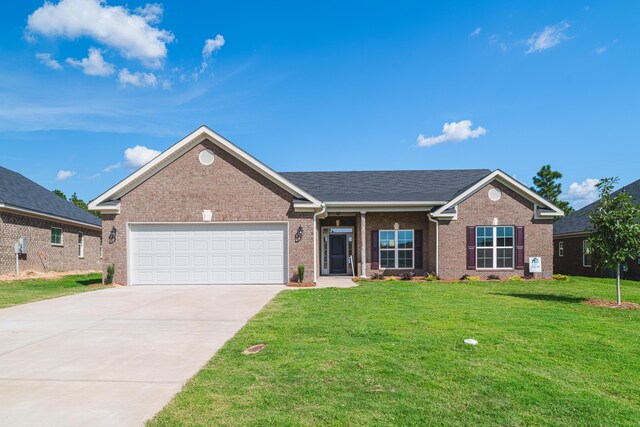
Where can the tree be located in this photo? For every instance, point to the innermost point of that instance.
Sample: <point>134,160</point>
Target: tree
<point>616,229</point>
<point>60,194</point>
<point>82,204</point>
<point>546,184</point>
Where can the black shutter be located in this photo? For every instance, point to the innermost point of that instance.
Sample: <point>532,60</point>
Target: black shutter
<point>471,248</point>
<point>519,248</point>
<point>375,260</point>
<point>418,254</point>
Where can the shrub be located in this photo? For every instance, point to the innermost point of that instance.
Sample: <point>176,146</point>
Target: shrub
<point>431,277</point>
<point>515,278</point>
<point>377,276</point>
<point>407,275</point>
<point>111,271</point>
<point>493,277</point>
<point>391,278</point>
<point>473,278</point>
<point>560,277</point>
<point>464,277</point>
<point>300,273</point>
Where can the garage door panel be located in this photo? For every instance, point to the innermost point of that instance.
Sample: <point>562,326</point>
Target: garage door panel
<point>208,253</point>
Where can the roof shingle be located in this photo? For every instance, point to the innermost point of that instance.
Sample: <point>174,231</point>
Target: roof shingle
<point>17,190</point>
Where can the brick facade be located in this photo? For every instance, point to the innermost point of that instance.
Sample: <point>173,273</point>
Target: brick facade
<point>477,210</point>
<point>41,253</point>
<point>406,221</point>
<point>230,188</point>
<point>571,262</point>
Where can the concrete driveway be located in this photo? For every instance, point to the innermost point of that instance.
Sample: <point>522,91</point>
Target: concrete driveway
<point>113,357</point>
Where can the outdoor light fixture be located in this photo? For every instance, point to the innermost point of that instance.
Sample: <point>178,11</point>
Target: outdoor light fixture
<point>112,235</point>
<point>299,234</point>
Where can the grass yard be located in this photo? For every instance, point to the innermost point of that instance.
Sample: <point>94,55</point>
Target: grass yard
<point>392,353</point>
<point>23,291</point>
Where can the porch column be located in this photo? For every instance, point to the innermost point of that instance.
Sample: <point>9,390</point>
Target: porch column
<point>363,243</point>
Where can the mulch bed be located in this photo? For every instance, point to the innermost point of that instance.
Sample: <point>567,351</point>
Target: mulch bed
<point>301,285</point>
<point>612,304</point>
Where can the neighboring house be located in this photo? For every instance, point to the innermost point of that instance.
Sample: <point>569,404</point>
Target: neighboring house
<point>59,236</point>
<point>206,212</point>
<point>572,254</point>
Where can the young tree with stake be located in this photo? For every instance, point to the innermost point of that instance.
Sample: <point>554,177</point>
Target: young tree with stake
<point>616,229</point>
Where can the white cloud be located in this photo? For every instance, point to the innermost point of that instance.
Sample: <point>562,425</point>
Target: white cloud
<point>549,37</point>
<point>139,156</point>
<point>94,64</point>
<point>583,193</point>
<point>151,12</point>
<point>48,60</point>
<point>62,175</point>
<point>111,168</point>
<point>211,46</point>
<point>602,49</point>
<point>125,77</point>
<point>133,35</point>
<point>452,132</point>
<point>476,32</point>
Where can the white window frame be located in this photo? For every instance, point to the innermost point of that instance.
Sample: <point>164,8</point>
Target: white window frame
<point>100,247</point>
<point>585,247</point>
<point>397,249</point>
<point>61,237</point>
<point>561,248</point>
<point>80,244</point>
<point>495,247</point>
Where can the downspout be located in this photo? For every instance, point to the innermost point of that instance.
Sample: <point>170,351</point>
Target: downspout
<point>315,241</point>
<point>435,221</point>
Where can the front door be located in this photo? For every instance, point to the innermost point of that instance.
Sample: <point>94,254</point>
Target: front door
<point>338,251</point>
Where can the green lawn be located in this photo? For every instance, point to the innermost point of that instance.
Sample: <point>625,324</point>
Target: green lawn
<point>23,291</point>
<point>392,353</point>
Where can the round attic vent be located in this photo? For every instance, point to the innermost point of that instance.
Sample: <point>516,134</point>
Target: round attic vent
<point>495,194</point>
<point>206,157</point>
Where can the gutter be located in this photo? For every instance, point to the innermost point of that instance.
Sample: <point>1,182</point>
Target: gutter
<point>48,217</point>
<point>315,241</point>
<point>435,221</point>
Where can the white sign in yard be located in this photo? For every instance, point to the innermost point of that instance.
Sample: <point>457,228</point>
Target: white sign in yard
<point>535,264</point>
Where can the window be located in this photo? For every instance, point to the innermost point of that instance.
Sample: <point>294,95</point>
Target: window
<point>396,249</point>
<point>586,253</point>
<point>100,246</point>
<point>494,247</point>
<point>81,245</point>
<point>560,249</point>
<point>56,236</point>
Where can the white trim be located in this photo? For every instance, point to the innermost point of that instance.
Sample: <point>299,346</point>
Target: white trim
<point>574,234</point>
<point>397,249</point>
<point>49,217</point>
<point>315,242</point>
<point>363,243</point>
<point>327,248</point>
<point>510,182</point>
<point>185,144</point>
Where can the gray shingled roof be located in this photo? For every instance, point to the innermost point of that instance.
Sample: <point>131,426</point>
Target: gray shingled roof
<point>386,186</point>
<point>579,221</point>
<point>16,190</point>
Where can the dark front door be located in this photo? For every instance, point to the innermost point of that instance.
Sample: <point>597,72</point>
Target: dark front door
<point>338,251</point>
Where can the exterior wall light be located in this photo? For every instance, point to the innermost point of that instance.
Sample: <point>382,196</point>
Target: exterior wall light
<point>299,234</point>
<point>113,235</point>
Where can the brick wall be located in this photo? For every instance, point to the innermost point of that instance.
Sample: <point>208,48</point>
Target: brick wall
<point>38,235</point>
<point>228,187</point>
<point>571,262</point>
<point>406,221</point>
<point>511,209</point>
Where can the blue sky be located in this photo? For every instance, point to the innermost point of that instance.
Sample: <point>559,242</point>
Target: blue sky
<point>324,86</point>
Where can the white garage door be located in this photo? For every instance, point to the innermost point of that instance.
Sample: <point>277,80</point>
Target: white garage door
<point>208,254</point>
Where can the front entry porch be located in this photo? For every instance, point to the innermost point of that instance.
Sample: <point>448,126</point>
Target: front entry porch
<point>337,250</point>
